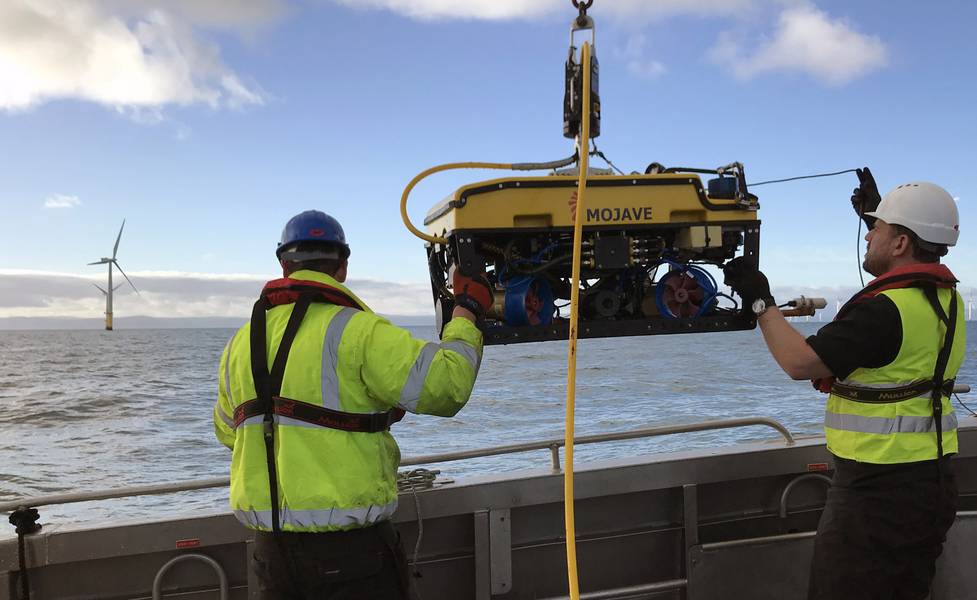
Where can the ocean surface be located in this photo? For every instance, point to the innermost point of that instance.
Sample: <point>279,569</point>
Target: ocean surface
<point>92,410</point>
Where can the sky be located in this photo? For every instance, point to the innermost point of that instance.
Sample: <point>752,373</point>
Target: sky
<point>206,124</point>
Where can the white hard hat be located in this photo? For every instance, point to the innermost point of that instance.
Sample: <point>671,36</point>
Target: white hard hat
<point>924,208</point>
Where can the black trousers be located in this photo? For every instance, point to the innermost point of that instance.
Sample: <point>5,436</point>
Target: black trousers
<point>882,529</point>
<point>366,563</point>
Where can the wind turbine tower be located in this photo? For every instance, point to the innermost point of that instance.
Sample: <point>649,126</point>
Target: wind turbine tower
<point>109,290</point>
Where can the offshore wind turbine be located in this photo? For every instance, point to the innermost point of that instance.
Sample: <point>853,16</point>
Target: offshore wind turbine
<point>109,290</point>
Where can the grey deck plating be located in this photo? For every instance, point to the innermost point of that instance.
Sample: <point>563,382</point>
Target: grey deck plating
<point>692,525</point>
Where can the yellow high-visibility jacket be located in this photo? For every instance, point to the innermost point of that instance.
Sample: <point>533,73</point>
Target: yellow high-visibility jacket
<point>904,431</point>
<point>347,360</point>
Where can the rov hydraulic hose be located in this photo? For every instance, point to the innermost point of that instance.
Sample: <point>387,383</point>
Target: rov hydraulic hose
<point>434,239</point>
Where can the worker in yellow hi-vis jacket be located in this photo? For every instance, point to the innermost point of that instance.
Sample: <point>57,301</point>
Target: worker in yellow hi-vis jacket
<point>307,393</point>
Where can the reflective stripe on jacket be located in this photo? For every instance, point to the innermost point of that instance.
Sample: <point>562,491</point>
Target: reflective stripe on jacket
<point>343,359</point>
<point>904,431</point>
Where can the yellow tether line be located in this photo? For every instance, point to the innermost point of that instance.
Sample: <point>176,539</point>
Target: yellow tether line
<point>583,151</point>
<point>445,167</point>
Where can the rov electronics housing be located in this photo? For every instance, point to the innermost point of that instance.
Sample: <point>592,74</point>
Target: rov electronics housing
<point>646,240</point>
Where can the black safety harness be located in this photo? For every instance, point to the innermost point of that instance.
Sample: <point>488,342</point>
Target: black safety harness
<point>937,386</point>
<point>268,385</point>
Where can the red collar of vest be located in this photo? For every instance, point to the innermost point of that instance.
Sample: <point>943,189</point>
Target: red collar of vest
<point>900,277</point>
<point>287,290</point>
<point>903,277</point>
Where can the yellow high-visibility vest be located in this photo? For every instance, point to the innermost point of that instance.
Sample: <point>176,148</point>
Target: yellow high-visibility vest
<point>903,431</point>
<point>346,360</point>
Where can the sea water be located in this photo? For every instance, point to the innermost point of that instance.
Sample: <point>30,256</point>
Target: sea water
<point>93,410</point>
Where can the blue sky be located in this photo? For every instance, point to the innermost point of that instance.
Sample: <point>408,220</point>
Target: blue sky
<point>208,124</point>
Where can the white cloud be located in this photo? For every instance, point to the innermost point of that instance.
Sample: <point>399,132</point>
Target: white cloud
<point>134,55</point>
<point>646,69</point>
<point>26,293</point>
<point>808,40</point>
<point>638,64</point>
<point>805,39</point>
<point>643,10</point>
<point>452,9</point>
<point>174,294</point>
<point>61,201</point>
<point>218,14</point>
<point>521,9</point>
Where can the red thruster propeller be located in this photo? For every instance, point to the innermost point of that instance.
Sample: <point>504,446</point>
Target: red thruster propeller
<point>682,294</point>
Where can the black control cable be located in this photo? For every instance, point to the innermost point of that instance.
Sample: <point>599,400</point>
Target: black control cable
<point>957,396</point>
<point>802,177</point>
<point>858,238</point>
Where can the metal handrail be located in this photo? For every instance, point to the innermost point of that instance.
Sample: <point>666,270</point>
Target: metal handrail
<point>221,575</point>
<point>123,492</point>
<point>790,487</point>
<point>553,445</point>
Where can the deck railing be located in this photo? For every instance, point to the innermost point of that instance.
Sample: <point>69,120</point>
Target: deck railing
<point>553,445</point>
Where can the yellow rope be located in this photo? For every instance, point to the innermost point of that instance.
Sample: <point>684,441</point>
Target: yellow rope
<point>583,147</point>
<point>445,167</point>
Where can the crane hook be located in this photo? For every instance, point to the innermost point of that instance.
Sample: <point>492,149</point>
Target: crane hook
<point>582,7</point>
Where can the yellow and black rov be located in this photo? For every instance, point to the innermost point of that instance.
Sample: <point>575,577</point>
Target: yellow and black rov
<point>645,239</point>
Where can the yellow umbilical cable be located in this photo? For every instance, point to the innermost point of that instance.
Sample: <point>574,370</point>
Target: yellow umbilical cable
<point>445,167</point>
<point>582,140</point>
<point>583,150</point>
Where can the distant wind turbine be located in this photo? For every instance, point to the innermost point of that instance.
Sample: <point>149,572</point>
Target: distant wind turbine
<point>108,292</point>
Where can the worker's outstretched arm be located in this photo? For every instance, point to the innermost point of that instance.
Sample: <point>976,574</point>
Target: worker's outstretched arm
<point>429,377</point>
<point>786,344</point>
<point>420,376</point>
<point>789,348</point>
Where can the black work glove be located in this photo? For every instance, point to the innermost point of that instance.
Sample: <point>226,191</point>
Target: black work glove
<point>865,198</point>
<point>474,293</point>
<point>747,281</point>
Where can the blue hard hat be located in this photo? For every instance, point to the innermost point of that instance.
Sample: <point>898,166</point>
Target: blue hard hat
<point>313,226</point>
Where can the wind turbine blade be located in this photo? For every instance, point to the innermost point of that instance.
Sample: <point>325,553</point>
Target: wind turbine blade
<point>116,287</point>
<point>100,288</point>
<point>126,276</point>
<point>116,248</point>
<point>99,262</point>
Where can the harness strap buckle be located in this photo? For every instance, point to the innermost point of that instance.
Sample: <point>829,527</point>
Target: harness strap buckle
<point>383,421</point>
<point>380,421</point>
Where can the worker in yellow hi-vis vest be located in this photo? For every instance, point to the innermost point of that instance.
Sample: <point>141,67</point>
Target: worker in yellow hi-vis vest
<point>307,393</point>
<point>888,363</point>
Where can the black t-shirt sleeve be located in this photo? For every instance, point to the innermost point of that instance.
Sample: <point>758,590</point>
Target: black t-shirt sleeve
<point>869,336</point>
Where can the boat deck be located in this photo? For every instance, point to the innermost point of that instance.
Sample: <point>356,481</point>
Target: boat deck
<point>731,522</point>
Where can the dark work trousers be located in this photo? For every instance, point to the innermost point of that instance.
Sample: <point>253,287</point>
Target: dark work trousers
<point>366,563</point>
<point>882,529</point>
